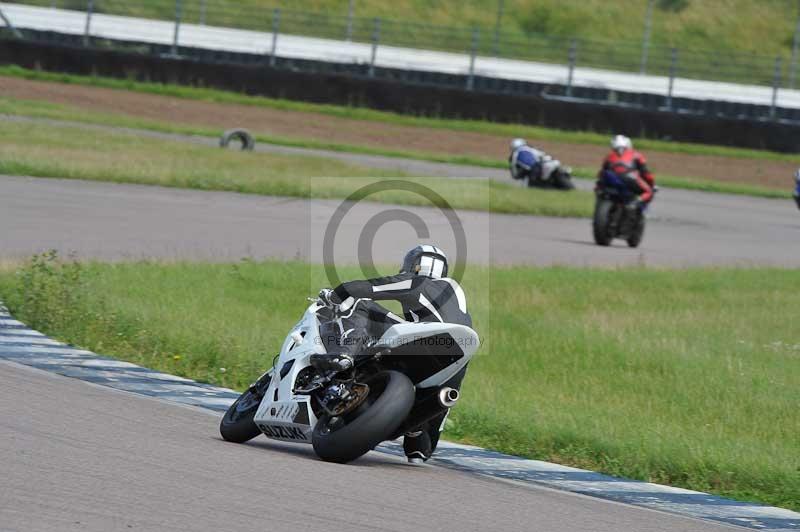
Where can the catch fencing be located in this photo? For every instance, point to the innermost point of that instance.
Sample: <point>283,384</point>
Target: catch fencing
<point>775,73</point>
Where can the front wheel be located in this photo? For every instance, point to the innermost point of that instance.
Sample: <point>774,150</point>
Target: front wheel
<point>601,224</point>
<point>638,231</point>
<point>342,439</point>
<point>237,424</point>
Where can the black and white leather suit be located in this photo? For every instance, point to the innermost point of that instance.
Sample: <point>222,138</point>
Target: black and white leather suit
<point>423,299</point>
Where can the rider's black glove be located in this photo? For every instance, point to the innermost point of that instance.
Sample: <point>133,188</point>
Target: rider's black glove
<point>329,298</point>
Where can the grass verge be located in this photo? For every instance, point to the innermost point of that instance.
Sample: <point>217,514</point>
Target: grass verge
<point>45,110</point>
<point>360,113</point>
<point>42,150</point>
<point>687,377</point>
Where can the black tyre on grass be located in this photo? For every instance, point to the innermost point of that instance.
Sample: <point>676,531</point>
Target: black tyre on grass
<point>243,136</point>
<point>601,224</point>
<point>343,439</point>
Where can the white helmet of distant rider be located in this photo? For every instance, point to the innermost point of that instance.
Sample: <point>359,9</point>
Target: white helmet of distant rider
<point>797,175</point>
<point>621,143</point>
<point>517,144</point>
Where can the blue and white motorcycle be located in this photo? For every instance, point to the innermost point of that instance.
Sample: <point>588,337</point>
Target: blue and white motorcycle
<point>538,169</point>
<point>796,193</point>
<point>398,383</point>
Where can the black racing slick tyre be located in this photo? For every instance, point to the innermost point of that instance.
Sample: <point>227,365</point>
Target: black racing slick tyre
<point>601,222</point>
<point>343,439</point>
<point>636,238</point>
<point>237,424</point>
<point>247,141</point>
<point>562,180</point>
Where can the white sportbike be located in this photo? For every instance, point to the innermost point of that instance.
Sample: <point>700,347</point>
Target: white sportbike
<point>398,383</point>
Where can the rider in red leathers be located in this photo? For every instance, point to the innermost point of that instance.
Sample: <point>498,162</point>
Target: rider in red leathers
<point>631,166</point>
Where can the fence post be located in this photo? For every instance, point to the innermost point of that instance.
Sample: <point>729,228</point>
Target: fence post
<point>350,10</point>
<point>203,12</point>
<point>14,31</point>
<point>648,26</point>
<point>176,34</point>
<point>276,27</point>
<point>376,37</point>
<point>776,83</point>
<point>498,21</point>
<point>673,69</point>
<point>472,55</point>
<point>88,27</point>
<point>573,55</point>
<point>795,44</point>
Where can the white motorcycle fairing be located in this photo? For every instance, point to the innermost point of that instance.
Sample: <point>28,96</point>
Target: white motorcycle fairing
<point>287,416</point>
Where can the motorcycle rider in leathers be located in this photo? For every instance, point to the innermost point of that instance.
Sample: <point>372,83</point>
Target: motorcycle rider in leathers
<point>631,167</point>
<point>528,162</point>
<point>426,295</point>
<point>796,193</point>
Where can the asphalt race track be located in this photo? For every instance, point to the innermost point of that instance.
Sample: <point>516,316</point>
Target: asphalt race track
<point>83,457</point>
<point>124,222</point>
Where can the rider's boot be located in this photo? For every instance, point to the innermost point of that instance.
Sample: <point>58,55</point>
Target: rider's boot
<point>340,352</point>
<point>332,361</point>
<point>417,446</point>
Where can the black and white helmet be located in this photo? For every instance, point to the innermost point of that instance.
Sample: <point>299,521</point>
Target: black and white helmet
<point>426,260</point>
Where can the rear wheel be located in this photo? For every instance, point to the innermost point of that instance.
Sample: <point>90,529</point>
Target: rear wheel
<point>562,180</point>
<point>344,438</point>
<point>601,224</point>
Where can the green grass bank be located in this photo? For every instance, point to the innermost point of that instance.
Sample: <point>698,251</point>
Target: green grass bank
<point>46,110</point>
<point>42,150</point>
<point>361,113</point>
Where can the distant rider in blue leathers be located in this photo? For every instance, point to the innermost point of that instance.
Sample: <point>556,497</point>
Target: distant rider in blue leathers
<point>525,162</point>
<point>797,187</point>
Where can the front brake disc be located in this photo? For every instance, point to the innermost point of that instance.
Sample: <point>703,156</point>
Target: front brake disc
<point>358,394</point>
